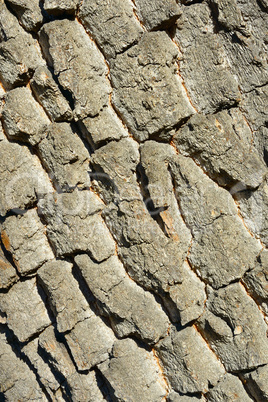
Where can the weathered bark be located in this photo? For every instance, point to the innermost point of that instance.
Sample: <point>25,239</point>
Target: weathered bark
<point>133,202</point>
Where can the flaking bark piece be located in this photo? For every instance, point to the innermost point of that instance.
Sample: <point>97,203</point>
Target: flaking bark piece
<point>112,24</point>
<point>22,178</point>
<point>23,118</point>
<point>74,224</point>
<point>49,95</point>
<point>131,309</point>
<point>147,91</point>
<point>159,13</point>
<point>235,328</point>
<point>25,238</point>
<point>26,316</point>
<point>133,373</point>
<point>65,156</point>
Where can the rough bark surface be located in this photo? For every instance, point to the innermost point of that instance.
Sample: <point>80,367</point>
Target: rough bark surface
<point>133,200</point>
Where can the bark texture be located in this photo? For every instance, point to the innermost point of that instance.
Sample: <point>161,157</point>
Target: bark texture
<point>133,200</point>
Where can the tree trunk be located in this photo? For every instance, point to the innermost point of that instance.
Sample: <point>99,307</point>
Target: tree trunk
<point>133,202</point>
